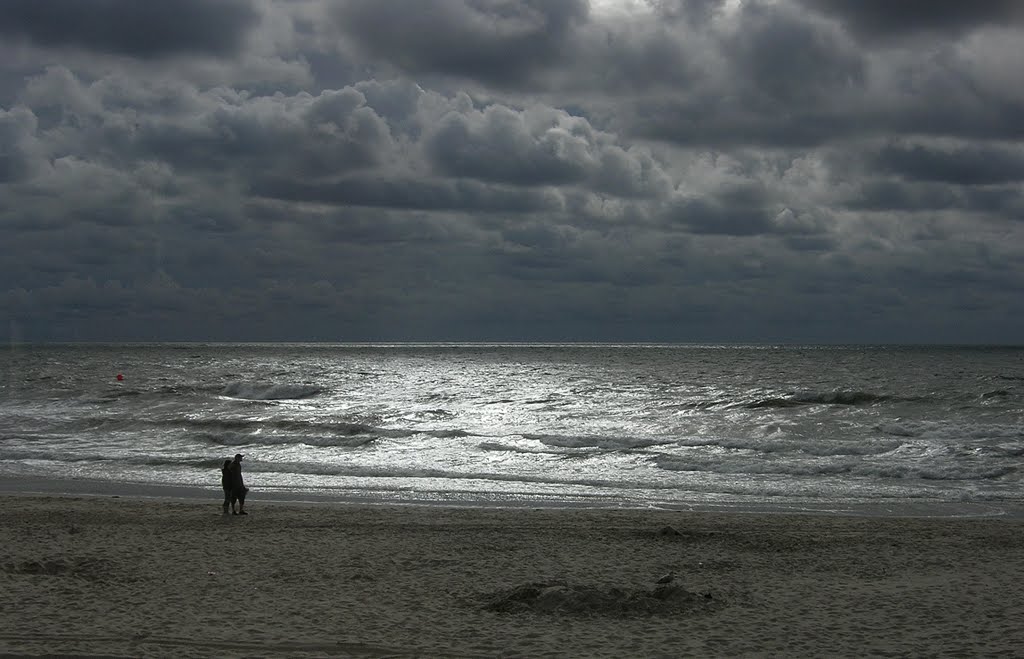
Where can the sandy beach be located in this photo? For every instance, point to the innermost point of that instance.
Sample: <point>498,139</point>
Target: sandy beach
<point>115,576</point>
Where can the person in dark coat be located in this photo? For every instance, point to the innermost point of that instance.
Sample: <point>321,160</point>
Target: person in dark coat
<point>225,482</point>
<point>238,488</point>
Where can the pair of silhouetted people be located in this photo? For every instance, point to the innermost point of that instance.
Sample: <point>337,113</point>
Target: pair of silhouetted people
<point>234,486</point>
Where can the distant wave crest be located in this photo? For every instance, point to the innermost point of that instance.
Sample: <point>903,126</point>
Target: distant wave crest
<point>795,446</point>
<point>595,442</point>
<point>569,446</point>
<point>242,439</point>
<point>256,391</point>
<point>837,397</point>
<point>848,466</point>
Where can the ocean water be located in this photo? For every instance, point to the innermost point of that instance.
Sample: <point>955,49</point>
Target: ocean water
<point>836,428</point>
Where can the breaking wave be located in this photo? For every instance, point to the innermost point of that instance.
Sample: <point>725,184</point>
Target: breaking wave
<point>836,397</point>
<point>251,391</point>
<point>795,446</point>
<point>842,466</point>
<point>240,439</point>
<point>596,442</point>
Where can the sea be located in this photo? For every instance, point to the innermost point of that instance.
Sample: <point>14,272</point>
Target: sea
<point>891,430</point>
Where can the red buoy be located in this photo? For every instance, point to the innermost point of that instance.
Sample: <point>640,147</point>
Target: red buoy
<point>120,377</point>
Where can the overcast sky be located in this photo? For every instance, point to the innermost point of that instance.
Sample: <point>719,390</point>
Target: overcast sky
<point>624,170</point>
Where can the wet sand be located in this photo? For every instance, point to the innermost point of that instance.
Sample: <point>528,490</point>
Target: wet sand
<point>117,576</point>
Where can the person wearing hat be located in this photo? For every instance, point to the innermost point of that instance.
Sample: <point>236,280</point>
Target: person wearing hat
<point>238,488</point>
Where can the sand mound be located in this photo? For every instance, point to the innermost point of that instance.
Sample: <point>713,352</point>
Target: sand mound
<point>558,597</point>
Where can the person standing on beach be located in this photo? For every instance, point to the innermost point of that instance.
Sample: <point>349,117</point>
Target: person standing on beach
<point>238,488</point>
<point>225,482</point>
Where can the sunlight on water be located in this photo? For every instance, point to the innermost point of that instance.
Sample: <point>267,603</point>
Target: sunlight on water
<point>630,425</point>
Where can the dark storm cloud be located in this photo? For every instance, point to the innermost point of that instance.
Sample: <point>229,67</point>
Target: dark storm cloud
<point>696,12</point>
<point>709,217</point>
<point>500,41</point>
<point>789,61</point>
<point>736,209</point>
<point>962,165</point>
<point>522,170</point>
<point>17,144</point>
<point>997,202</point>
<point>410,194</point>
<point>539,147</point>
<point>502,149</point>
<point>769,75</point>
<point>716,122</point>
<point>131,27</point>
<point>330,133</point>
<point>217,129</point>
<point>775,75</point>
<point>893,195</point>
<point>885,19</point>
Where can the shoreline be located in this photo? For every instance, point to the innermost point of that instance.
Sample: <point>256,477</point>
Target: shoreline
<point>166,577</point>
<point>35,486</point>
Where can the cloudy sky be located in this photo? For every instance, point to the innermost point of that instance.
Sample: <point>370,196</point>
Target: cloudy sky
<point>626,170</point>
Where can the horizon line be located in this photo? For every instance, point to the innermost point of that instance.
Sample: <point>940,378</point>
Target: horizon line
<point>512,343</point>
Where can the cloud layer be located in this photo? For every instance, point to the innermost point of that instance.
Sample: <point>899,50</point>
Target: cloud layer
<point>512,170</point>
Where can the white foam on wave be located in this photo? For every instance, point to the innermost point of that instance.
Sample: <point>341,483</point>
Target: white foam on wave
<point>508,447</point>
<point>265,439</point>
<point>949,430</point>
<point>256,391</point>
<point>796,446</point>
<point>596,441</point>
<point>836,466</point>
